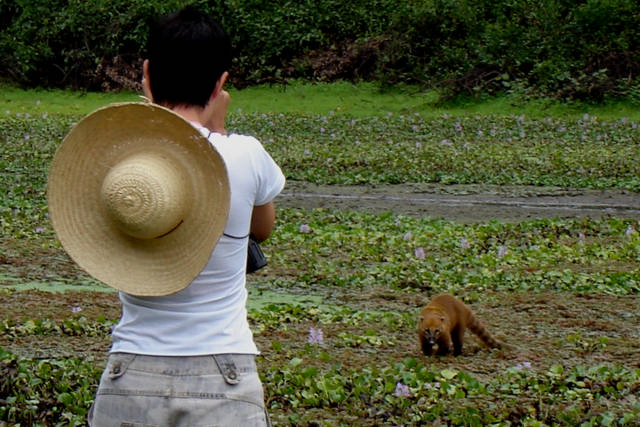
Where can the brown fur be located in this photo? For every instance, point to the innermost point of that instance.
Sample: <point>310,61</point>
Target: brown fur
<point>442,324</point>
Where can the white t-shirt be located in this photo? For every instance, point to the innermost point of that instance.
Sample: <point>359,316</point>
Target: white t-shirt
<point>209,316</point>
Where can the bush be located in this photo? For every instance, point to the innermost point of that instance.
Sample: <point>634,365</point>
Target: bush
<point>587,49</point>
<point>75,43</point>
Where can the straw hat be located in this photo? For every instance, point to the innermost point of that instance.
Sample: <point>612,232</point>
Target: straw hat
<point>138,198</point>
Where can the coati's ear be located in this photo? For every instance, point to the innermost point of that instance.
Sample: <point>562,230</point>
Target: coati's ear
<point>442,318</point>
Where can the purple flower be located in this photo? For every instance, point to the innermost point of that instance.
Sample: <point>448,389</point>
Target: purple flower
<point>464,243</point>
<point>76,309</point>
<point>419,252</point>
<point>402,390</point>
<point>629,231</point>
<point>502,251</point>
<point>315,336</point>
<point>39,230</point>
<point>304,228</point>
<point>521,366</point>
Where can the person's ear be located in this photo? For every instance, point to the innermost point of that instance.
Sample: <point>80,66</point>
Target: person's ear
<point>220,84</point>
<point>146,85</point>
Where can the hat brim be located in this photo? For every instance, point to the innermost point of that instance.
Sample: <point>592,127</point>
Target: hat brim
<point>143,267</point>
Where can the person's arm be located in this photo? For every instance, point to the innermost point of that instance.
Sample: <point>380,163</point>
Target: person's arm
<point>263,220</point>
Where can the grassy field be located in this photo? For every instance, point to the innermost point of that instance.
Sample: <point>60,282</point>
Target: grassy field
<point>358,100</point>
<point>334,312</point>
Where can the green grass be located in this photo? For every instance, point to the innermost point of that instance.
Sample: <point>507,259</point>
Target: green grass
<point>358,100</point>
<point>36,102</point>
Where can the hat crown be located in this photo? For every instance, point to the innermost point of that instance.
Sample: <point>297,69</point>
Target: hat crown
<point>138,198</point>
<point>146,195</point>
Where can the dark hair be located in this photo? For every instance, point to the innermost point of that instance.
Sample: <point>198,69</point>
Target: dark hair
<point>187,51</point>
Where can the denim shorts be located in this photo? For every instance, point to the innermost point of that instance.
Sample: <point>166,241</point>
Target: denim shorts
<point>196,391</point>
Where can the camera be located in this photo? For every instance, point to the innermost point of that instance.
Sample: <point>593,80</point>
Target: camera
<point>255,257</point>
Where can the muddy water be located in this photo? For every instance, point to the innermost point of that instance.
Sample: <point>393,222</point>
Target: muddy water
<point>468,203</point>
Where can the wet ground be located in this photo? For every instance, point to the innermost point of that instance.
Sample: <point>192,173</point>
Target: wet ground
<point>465,203</point>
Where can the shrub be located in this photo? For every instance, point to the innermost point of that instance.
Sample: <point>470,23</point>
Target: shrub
<point>583,49</point>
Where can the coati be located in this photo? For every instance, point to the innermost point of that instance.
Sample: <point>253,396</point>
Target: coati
<point>442,324</point>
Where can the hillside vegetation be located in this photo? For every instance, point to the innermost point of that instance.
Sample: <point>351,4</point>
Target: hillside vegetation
<point>584,49</point>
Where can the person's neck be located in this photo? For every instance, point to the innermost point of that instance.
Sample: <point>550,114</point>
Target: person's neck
<point>199,115</point>
<point>191,114</point>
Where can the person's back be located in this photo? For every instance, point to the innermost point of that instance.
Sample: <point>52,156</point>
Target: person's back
<point>189,358</point>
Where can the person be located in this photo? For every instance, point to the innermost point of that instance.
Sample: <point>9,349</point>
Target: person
<point>188,358</point>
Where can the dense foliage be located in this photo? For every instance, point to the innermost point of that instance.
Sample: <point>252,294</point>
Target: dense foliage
<point>587,49</point>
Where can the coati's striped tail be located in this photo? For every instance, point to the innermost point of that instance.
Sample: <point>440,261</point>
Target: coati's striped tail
<point>477,328</point>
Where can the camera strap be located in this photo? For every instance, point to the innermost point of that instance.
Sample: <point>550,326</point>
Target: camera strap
<point>235,237</point>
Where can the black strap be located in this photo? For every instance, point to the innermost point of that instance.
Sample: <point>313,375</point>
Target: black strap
<point>235,237</point>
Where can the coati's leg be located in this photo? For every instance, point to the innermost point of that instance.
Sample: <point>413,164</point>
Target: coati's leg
<point>444,344</point>
<point>427,349</point>
<point>457,336</point>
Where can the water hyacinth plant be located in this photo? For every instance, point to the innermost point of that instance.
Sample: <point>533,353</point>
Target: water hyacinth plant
<point>334,311</point>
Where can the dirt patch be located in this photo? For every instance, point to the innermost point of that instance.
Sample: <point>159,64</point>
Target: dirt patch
<point>464,203</point>
<point>546,328</point>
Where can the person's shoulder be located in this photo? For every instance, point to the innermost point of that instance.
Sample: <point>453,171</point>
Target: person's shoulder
<point>247,140</point>
<point>240,136</point>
